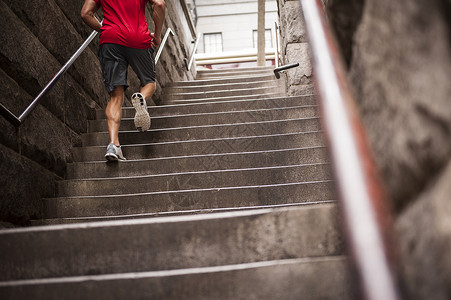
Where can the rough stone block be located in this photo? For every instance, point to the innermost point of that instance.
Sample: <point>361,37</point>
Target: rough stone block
<point>33,66</point>
<point>424,231</point>
<point>299,53</point>
<point>42,137</point>
<point>400,73</point>
<point>23,184</point>
<point>62,40</point>
<point>292,22</point>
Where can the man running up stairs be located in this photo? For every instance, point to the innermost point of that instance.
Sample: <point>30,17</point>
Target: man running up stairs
<point>229,195</point>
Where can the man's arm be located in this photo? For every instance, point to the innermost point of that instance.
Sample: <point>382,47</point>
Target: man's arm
<point>87,14</point>
<point>159,12</point>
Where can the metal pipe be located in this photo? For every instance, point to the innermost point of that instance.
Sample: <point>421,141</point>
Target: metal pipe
<point>9,116</point>
<point>286,67</point>
<point>360,191</point>
<point>192,54</point>
<point>163,42</point>
<point>33,104</point>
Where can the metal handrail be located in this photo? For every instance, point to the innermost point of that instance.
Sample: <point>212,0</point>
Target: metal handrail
<point>191,59</point>
<point>363,202</point>
<point>283,68</point>
<point>163,42</point>
<point>17,121</point>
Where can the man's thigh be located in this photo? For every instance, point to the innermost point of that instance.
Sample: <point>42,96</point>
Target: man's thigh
<point>113,62</point>
<point>143,63</point>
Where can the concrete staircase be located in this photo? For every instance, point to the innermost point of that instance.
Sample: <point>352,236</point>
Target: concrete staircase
<point>228,196</point>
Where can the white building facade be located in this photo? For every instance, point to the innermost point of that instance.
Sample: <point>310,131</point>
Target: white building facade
<point>229,28</point>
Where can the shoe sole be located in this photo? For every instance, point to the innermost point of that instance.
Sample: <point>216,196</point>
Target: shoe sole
<point>111,157</point>
<point>142,118</point>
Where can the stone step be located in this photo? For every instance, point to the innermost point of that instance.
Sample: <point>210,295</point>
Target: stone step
<point>255,96</point>
<point>256,115</point>
<point>280,279</point>
<point>248,79</point>
<point>197,163</point>
<point>188,199</point>
<point>223,86</point>
<point>206,146</point>
<point>169,243</point>
<point>215,179</point>
<point>225,93</point>
<point>205,132</point>
<point>75,220</point>
<point>216,107</point>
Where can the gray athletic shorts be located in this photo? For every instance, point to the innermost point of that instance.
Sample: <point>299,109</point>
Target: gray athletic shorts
<point>115,59</point>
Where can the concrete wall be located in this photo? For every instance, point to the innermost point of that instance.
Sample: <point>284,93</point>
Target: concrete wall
<point>399,59</point>
<point>37,37</point>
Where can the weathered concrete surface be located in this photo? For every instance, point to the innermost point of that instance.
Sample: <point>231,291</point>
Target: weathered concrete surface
<point>400,72</point>
<point>60,38</point>
<point>42,137</point>
<point>283,279</point>
<point>33,66</point>
<point>170,243</point>
<point>24,182</point>
<point>425,239</point>
<point>294,48</point>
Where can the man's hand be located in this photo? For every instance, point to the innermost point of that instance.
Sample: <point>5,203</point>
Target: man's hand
<point>156,40</point>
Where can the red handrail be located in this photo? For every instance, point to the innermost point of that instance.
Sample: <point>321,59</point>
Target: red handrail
<point>363,201</point>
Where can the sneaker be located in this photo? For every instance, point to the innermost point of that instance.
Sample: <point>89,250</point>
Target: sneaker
<point>142,118</point>
<point>114,153</point>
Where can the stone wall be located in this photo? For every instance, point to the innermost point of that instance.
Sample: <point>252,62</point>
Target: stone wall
<point>294,48</point>
<point>399,59</point>
<point>37,37</point>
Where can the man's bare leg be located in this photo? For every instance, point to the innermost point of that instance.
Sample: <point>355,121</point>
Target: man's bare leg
<point>114,113</point>
<point>148,90</point>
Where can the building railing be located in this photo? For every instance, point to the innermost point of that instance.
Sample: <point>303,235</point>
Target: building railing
<point>277,52</point>
<point>232,57</point>
<point>17,121</point>
<point>363,201</point>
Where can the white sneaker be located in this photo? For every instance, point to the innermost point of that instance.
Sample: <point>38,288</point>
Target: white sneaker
<point>114,153</point>
<point>142,118</point>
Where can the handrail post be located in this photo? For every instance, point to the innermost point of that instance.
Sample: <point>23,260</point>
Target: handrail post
<point>276,32</point>
<point>163,42</point>
<point>196,44</point>
<point>363,201</point>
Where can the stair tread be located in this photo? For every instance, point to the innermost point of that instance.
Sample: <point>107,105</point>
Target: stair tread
<point>58,221</point>
<point>215,161</point>
<point>149,244</point>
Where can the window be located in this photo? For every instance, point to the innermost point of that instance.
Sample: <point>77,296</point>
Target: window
<point>212,42</point>
<point>268,38</point>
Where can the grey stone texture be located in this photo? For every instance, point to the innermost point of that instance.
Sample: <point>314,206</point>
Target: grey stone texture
<point>37,38</point>
<point>294,48</point>
<point>399,58</point>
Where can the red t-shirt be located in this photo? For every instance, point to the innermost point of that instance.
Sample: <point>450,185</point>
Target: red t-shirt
<point>125,23</point>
